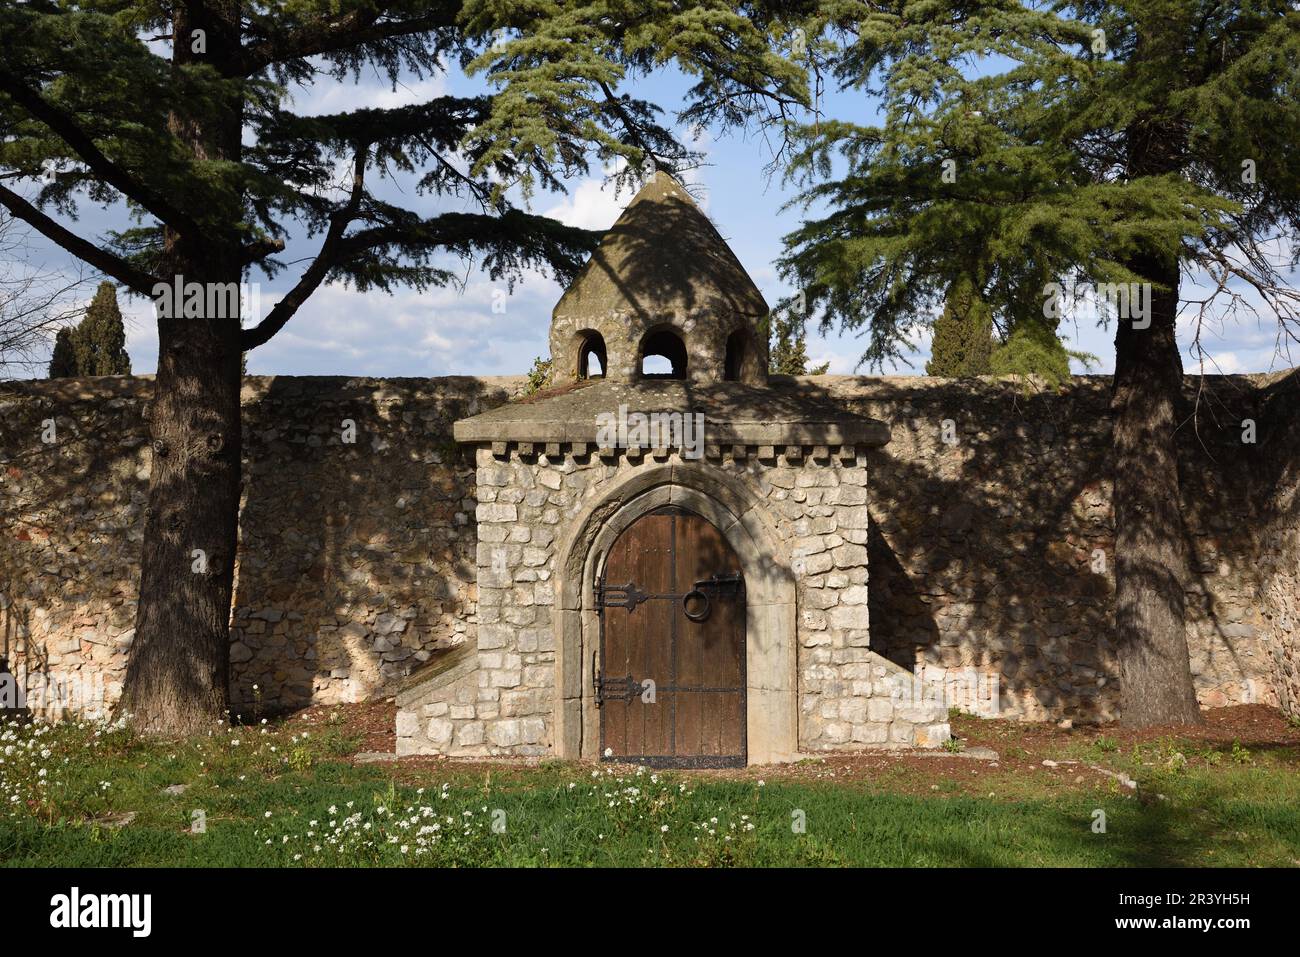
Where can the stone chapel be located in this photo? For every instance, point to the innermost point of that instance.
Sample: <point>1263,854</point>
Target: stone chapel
<point>672,551</point>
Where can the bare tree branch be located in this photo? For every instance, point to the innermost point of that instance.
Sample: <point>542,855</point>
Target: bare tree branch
<point>33,304</point>
<point>137,280</point>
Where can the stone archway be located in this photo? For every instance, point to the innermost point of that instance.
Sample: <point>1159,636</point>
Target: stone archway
<point>771,650</point>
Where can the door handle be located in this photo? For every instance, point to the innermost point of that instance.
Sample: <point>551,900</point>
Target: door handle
<point>704,606</point>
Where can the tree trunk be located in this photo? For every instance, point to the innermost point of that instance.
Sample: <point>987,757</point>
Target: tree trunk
<point>177,680</point>
<point>1151,562</point>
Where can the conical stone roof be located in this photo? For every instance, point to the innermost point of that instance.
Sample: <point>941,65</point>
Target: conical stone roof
<point>662,259</point>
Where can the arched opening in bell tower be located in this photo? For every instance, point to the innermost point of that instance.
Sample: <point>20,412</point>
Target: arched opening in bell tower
<point>663,355</point>
<point>592,357</point>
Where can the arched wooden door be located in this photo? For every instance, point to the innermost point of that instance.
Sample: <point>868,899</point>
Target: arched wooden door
<point>670,682</point>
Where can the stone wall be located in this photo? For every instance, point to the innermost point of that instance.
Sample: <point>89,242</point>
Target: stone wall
<point>991,553</point>
<point>356,558</point>
<point>1275,481</point>
<point>358,561</point>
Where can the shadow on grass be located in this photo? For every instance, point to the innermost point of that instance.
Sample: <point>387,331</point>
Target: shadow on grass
<point>550,824</point>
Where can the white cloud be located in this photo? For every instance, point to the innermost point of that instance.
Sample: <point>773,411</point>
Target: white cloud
<point>1223,362</point>
<point>328,96</point>
<point>591,204</point>
<point>441,332</point>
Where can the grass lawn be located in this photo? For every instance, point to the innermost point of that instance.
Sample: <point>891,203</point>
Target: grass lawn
<point>292,794</point>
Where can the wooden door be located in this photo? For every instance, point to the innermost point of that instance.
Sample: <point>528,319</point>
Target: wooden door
<point>670,683</point>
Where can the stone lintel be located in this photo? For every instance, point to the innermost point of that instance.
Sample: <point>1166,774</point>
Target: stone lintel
<point>765,453</point>
<point>851,431</point>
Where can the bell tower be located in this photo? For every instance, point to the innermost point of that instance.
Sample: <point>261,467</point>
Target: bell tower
<point>663,283</point>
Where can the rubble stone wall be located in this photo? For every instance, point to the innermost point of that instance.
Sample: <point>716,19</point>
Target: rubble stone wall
<point>356,547</point>
<point>989,544</point>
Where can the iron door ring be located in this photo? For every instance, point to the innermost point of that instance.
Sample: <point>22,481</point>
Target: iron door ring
<point>703,613</point>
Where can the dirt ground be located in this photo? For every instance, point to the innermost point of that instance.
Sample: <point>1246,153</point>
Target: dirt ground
<point>374,721</point>
<point>1050,754</point>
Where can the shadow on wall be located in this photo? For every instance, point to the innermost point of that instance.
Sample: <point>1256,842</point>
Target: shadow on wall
<point>987,507</point>
<point>75,467</point>
<point>992,553</point>
<point>15,660</point>
<point>1275,477</point>
<point>357,536</point>
<point>358,559</point>
<point>668,253</point>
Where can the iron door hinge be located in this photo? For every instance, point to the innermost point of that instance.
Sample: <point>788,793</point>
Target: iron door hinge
<point>617,689</point>
<point>618,596</point>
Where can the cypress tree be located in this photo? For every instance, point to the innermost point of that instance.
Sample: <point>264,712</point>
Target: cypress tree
<point>63,363</point>
<point>963,335</point>
<point>788,354</point>
<point>100,338</point>
<point>1032,346</point>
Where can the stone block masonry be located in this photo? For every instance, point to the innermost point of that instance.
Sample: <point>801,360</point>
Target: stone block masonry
<point>847,695</point>
<point>358,562</point>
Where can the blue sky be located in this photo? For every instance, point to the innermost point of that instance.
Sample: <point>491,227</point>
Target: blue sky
<point>456,331</point>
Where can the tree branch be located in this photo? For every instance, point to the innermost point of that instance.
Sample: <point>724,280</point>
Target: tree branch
<point>67,128</point>
<point>137,280</point>
<point>333,35</point>
<point>315,274</point>
<point>259,250</point>
<point>632,130</point>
